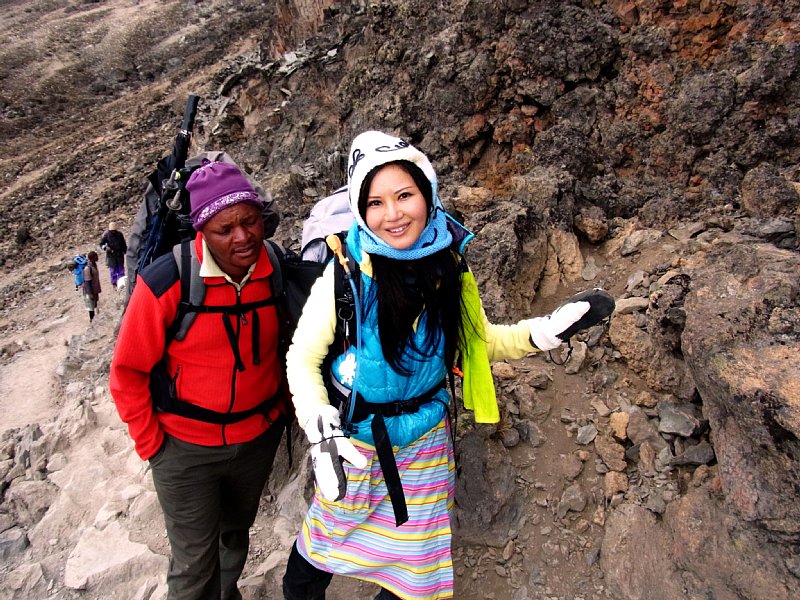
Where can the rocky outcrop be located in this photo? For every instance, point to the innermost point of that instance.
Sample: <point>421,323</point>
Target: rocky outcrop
<point>729,316</point>
<point>680,556</point>
<point>742,343</point>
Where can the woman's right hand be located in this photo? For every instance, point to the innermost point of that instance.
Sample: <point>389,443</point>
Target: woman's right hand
<point>329,447</point>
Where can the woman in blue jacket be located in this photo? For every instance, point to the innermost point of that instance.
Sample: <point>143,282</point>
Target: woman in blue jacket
<point>383,516</point>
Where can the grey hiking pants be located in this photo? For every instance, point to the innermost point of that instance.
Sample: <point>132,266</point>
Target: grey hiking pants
<point>210,497</point>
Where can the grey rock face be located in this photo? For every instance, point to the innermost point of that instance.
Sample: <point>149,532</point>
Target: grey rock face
<point>747,380</point>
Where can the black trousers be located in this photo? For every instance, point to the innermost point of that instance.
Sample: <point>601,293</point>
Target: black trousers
<point>210,497</point>
<point>304,581</point>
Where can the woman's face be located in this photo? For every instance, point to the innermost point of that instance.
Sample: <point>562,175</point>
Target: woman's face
<point>396,210</point>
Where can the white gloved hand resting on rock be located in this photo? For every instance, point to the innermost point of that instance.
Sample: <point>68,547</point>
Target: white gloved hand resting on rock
<point>579,312</point>
<point>329,447</point>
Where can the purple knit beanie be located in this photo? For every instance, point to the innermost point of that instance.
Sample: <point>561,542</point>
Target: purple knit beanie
<point>216,186</point>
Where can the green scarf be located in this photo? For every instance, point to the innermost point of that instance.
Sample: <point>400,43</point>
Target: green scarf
<point>478,385</point>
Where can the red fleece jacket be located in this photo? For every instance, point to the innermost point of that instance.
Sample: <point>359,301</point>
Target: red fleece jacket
<point>203,361</point>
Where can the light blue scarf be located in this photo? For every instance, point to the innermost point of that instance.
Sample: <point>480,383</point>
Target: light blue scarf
<point>434,237</point>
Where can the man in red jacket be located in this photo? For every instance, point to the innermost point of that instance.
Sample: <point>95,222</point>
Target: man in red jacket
<point>210,418</point>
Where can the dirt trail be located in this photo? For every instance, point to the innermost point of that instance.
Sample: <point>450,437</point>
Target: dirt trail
<point>29,382</point>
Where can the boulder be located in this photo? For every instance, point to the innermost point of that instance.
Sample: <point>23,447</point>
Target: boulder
<point>488,503</point>
<point>728,559</point>
<point>748,377</point>
<point>109,557</point>
<point>633,556</point>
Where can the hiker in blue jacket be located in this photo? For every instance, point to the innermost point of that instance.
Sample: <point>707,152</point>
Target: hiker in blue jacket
<point>381,505</point>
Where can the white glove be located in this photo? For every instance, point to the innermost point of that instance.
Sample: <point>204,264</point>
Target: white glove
<point>579,312</point>
<point>329,447</point>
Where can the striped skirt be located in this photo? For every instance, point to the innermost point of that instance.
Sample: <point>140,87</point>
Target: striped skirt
<point>357,536</point>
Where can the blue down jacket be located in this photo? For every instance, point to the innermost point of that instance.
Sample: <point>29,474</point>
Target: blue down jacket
<point>377,382</point>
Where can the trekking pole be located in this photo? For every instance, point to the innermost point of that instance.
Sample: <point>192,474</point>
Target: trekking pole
<point>172,187</point>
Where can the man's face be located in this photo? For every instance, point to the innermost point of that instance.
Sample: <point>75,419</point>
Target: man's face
<point>234,237</point>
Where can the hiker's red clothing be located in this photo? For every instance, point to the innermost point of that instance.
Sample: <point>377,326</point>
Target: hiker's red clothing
<point>203,364</point>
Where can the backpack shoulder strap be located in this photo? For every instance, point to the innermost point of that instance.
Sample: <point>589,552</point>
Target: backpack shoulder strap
<point>343,297</point>
<point>193,290</point>
<point>275,251</point>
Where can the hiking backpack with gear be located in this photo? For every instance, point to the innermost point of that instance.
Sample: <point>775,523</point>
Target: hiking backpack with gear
<point>330,215</point>
<point>80,262</point>
<point>163,220</point>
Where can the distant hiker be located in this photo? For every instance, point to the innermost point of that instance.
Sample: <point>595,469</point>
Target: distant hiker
<point>212,424</point>
<point>91,284</point>
<point>113,242</point>
<point>380,515</point>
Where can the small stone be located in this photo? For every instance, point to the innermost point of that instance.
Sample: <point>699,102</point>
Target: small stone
<point>655,503</point>
<point>612,453</point>
<point>577,358</point>
<point>614,483</point>
<point>636,279</point>
<point>508,551</point>
<point>510,437</point>
<point>647,460</point>
<point>572,466</point>
<point>539,378</point>
<point>700,475</point>
<point>646,399</point>
<point>12,541</point>
<point>590,270</point>
<point>503,370</point>
<point>640,429</point>
<point>573,499</point>
<point>700,454</point>
<point>630,305</point>
<point>664,459</point>
<point>586,434</point>
<point>680,419</point>
<point>600,407</point>
<point>619,425</point>
<point>541,410</point>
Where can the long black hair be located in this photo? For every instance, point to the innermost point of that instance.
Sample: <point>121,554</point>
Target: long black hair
<point>404,288</point>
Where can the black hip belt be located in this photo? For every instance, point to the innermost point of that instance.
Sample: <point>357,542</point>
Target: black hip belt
<point>338,394</point>
<point>182,408</point>
<point>162,390</point>
<point>383,445</point>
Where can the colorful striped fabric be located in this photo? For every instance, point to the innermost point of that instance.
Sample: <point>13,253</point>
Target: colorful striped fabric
<point>357,536</point>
